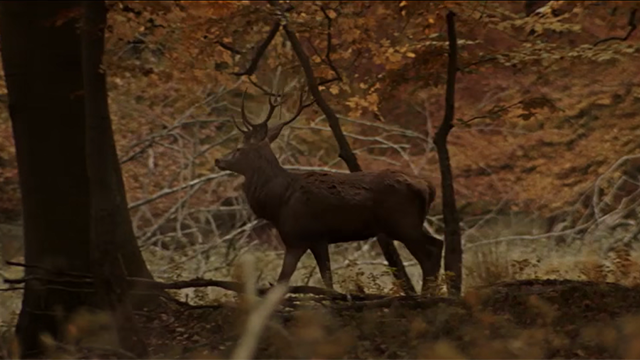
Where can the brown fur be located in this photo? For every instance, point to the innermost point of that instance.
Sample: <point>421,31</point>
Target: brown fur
<point>311,210</point>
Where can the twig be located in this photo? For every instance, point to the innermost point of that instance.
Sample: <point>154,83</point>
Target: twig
<point>229,48</point>
<point>494,111</point>
<point>194,283</point>
<point>328,81</point>
<point>42,268</point>
<point>229,236</point>
<point>28,278</point>
<point>393,129</point>
<point>144,240</point>
<point>349,263</point>
<point>253,66</point>
<point>262,88</point>
<point>12,289</point>
<point>256,323</point>
<point>314,168</point>
<point>596,185</point>
<point>166,192</point>
<point>407,301</point>
<point>327,56</point>
<point>137,152</point>
<point>632,27</point>
<point>475,63</point>
<point>529,237</point>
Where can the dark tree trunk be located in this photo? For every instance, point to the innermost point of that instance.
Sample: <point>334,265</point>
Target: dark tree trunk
<point>42,63</point>
<point>42,67</point>
<point>453,243</point>
<point>110,221</point>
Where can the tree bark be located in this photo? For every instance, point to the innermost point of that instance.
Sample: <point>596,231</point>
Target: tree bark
<point>346,154</point>
<point>110,221</point>
<point>42,60</point>
<point>42,71</point>
<point>453,245</point>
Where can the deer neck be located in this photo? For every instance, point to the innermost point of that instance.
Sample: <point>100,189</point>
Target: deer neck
<point>266,187</point>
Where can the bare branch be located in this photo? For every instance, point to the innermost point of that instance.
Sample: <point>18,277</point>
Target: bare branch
<point>476,63</point>
<point>170,191</point>
<point>12,289</point>
<point>496,110</point>
<point>253,66</point>
<point>234,286</point>
<point>328,81</point>
<point>229,48</point>
<point>327,56</point>
<point>165,217</point>
<point>138,152</point>
<point>596,185</point>
<point>632,27</point>
<point>261,88</point>
<point>245,229</point>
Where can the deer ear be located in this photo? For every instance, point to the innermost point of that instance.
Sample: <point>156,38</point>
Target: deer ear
<point>274,132</point>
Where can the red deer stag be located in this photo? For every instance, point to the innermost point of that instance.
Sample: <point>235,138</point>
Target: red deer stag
<point>311,209</point>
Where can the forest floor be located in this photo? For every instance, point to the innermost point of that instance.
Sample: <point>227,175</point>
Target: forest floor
<point>522,319</point>
<point>531,300</point>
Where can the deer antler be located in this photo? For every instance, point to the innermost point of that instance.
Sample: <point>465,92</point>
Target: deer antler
<point>275,131</point>
<point>301,107</point>
<point>272,108</point>
<point>257,132</point>
<point>245,121</point>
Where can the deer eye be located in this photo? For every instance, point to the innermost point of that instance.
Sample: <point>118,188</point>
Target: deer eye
<point>239,151</point>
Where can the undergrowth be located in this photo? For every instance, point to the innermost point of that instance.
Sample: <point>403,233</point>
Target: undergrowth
<point>521,300</point>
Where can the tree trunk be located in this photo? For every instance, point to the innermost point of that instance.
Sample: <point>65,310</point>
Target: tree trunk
<point>453,242</point>
<point>42,71</point>
<point>110,221</point>
<point>346,154</point>
<point>42,62</point>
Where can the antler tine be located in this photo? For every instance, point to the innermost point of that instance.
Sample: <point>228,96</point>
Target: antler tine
<point>301,106</point>
<point>245,120</point>
<point>272,108</point>
<point>233,118</point>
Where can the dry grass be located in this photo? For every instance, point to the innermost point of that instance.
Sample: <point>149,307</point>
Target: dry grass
<point>505,311</point>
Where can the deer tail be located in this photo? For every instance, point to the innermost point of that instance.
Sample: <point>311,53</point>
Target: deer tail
<point>427,191</point>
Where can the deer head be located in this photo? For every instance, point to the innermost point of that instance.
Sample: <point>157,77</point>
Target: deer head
<point>257,138</point>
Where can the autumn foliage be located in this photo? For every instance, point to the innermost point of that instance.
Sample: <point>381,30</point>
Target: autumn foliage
<point>546,122</point>
<point>172,87</point>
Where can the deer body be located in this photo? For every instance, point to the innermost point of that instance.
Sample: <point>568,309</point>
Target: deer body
<point>311,210</point>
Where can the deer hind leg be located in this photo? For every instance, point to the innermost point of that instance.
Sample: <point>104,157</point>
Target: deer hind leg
<point>435,246</point>
<point>427,250</point>
<point>292,256</point>
<point>320,252</point>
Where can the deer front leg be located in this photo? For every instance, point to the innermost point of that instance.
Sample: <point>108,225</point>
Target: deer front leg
<point>320,252</point>
<point>291,258</point>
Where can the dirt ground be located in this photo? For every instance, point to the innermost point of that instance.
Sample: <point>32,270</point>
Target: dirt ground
<point>530,319</point>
